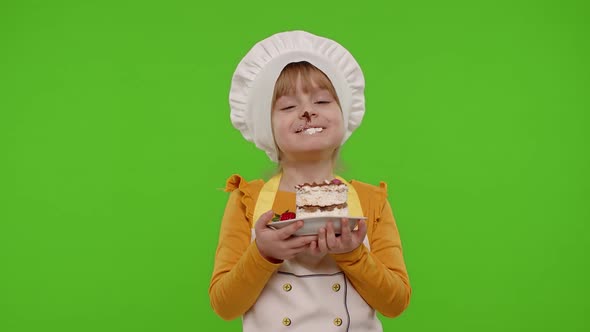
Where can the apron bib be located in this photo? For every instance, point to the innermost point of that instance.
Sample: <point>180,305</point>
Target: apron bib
<point>308,293</point>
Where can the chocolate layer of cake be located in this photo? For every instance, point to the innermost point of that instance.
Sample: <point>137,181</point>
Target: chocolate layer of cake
<point>318,199</point>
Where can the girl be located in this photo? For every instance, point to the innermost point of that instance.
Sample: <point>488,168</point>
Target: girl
<point>298,97</point>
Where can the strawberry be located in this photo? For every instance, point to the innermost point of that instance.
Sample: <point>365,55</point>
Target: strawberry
<point>284,216</point>
<point>287,216</point>
<point>336,181</point>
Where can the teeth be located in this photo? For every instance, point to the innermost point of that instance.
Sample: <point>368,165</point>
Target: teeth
<point>311,131</point>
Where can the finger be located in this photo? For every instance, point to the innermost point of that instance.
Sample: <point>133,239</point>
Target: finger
<point>299,241</point>
<point>295,251</point>
<point>322,244</point>
<point>330,236</point>
<point>309,237</point>
<point>263,220</point>
<point>286,232</point>
<point>299,249</point>
<point>361,232</point>
<point>345,234</point>
<point>315,248</point>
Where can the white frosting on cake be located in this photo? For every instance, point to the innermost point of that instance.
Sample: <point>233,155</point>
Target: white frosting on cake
<point>324,195</point>
<point>326,199</point>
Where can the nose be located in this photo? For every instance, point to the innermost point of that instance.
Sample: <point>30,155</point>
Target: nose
<point>308,114</point>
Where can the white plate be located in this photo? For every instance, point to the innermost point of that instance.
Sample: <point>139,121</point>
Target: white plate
<point>312,225</point>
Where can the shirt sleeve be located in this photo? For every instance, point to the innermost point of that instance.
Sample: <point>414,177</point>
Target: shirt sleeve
<point>240,272</point>
<point>379,275</point>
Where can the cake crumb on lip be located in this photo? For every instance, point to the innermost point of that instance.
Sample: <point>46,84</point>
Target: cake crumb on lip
<point>304,128</point>
<point>312,131</point>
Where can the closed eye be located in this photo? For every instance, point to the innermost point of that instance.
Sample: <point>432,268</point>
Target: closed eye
<point>322,102</point>
<point>287,108</point>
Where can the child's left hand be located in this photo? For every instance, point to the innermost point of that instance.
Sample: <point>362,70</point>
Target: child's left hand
<point>348,240</point>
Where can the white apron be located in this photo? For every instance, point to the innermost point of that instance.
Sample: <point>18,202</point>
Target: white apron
<point>307,293</point>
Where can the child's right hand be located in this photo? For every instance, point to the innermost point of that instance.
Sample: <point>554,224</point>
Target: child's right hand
<point>278,245</point>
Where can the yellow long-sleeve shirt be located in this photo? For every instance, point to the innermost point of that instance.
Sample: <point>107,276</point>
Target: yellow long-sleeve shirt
<point>240,272</point>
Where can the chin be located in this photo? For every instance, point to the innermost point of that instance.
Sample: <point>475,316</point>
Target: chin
<point>313,152</point>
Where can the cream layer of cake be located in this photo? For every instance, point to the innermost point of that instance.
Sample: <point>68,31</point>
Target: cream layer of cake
<point>321,199</point>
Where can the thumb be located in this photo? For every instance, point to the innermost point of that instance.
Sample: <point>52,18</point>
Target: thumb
<point>263,220</point>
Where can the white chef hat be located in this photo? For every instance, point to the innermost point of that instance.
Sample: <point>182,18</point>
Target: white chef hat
<point>254,80</point>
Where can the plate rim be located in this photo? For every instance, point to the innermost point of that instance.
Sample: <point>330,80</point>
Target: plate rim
<point>290,221</point>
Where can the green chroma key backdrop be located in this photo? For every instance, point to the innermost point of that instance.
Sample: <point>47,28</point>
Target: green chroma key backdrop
<point>115,144</point>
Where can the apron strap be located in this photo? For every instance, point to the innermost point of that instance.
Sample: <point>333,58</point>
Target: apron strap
<point>266,197</point>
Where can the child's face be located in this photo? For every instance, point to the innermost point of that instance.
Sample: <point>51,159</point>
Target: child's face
<point>307,121</point>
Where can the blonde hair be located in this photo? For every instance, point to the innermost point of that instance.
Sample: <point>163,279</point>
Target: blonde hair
<point>309,74</point>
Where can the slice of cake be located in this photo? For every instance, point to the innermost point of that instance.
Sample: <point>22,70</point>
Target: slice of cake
<point>321,199</point>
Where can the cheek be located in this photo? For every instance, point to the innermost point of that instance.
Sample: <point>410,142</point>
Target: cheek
<point>338,123</point>
<point>273,125</point>
<point>336,119</point>
<point>278,127</point>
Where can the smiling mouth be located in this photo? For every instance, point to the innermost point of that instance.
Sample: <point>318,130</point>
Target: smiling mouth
<point>310,130</point>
